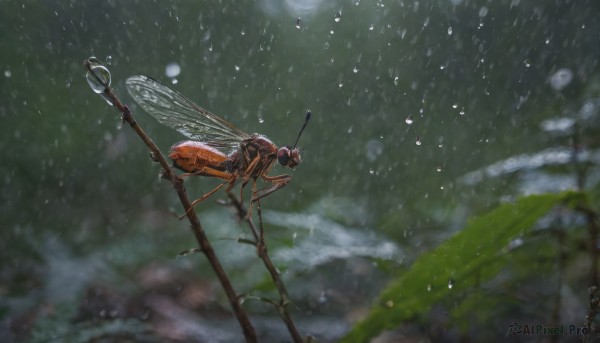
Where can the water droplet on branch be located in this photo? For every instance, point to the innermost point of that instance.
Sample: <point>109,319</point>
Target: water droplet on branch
<point>99,78</point>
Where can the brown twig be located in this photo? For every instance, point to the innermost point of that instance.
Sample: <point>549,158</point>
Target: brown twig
<point>177,182</point>
<point>263,254</point>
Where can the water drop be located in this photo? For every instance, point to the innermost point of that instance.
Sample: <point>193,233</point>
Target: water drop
<point>408,120</point>
<point>442,67</point>
<point>237,67</point>
<point>374,149</point>
<point>261,119</point>
<point>455,106</point>
<point>326,46</point>
<point>7,73</point>
<point>338,17</point>
<point>561,78</point>
<point>355,69</point>
<point>396,80</point>
<point>172,69</point>
<point>418,141</point>
<point>527,63</point>
<point>340,84</point>
<point>429,288</point>
<point>174,81</point>
<point>483,11</point>
<point>371,171</point>
<point>389,303</point>
<point>243,32</point>
<point>210,48</point>
<point>547,40</point>
<point>331,32</point>
<point>109,59</point>
<point>298,23</point>
<point>371,27</point>
<point>322,298</point>
<point>99,79</point>
<point>462,112</point>
<point>450,31</point>
<point>438,169</point>
<point>450,283</point>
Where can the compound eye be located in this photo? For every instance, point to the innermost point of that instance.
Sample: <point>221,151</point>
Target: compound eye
<point>283,156</point>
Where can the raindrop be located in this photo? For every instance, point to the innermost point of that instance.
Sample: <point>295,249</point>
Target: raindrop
<point>99,79</point>
<point>389,303</point>
<point>326,46</point>
<point>483,11</point>
<point>408,120</point>
<point>455,106</point>
<point>298,22</point>
<point>338,17</point>
<point>371,27</point>
<point>243,32</point>
<point>450,283</point>
<point>561,78</point>
<point>331,32</point>
<point>374,149</point>
<point>371,171</point>
<point>237,67</point>
<point>355,69</point>
<point>322,298</point>
<point>429,288</point>
<point>174,81</point>
<point>109,60</point>
<point>462,112</point>
<point>172,69</point>
<point>547,40</point>
<point>102,77</point>
<point>527,63</point>
<point>438,169</point>
<point>340,84</point>
<point>418,141</point>
<point>350,129</point>
<point>450,31</point>
<point>210,48</point>
<point>396,80</point>
<point>261,119</point>
<point>7,73</point>
<point>442,67</point>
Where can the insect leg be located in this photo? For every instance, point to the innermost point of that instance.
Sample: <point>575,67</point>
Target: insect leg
<point>277,182</point>
<point>200,199</point>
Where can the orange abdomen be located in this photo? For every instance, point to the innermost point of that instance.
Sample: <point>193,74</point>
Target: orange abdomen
<point>198,158</point>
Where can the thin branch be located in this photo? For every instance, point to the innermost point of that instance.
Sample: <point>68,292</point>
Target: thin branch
<point>263,254</point>
<point>177,182</point>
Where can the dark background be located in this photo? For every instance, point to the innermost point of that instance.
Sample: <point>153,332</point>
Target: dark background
<point>408,98</point>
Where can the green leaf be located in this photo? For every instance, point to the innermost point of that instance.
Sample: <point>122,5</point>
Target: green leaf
<point>457,264</point>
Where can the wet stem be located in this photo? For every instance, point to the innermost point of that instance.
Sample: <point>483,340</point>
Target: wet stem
<point>262,252</point>
<point>177,182</point>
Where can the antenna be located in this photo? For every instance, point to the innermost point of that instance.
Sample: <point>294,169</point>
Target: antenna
<point>308,114</point>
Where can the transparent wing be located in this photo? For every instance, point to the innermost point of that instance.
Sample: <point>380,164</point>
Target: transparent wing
<point>176,111</point>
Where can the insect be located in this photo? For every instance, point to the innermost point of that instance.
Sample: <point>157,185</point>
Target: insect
<point>217,147</point>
